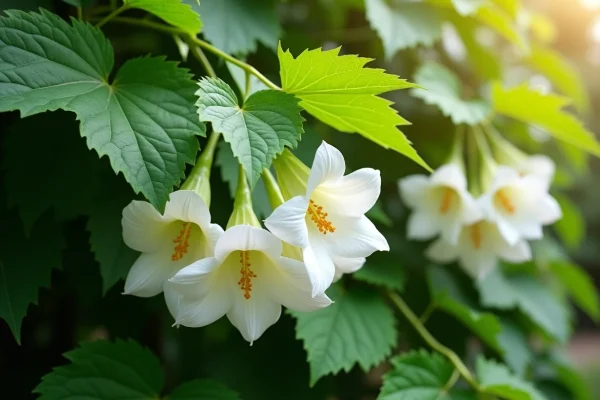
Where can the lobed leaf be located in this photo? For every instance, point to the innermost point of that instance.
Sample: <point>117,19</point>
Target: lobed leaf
<point>495,379</point>
<point>174,12</point>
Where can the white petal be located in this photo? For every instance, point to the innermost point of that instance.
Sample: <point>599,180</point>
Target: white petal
<point>354,237</point>
<point>329,165</point>
<point>504,176</point>
<point>319,266</point>
<point>539,165</point>
<point>143,227</point>
<point>246,237</point>
<point>188,206</point>
<point>413,189</point>
<point>253,316</point>
<point>508,232</point>
<point>353,195</point>
<point>288,222</point>
<point>422,226</point>
<point>293,289</point>
<point>450,175</point>
<point>196,278</point>
<point>548,210</point>
<point>471,211</point>
<point>442,251</point>
<point>478,264</point>
<point>195,312</point>
<point>172,299</point>
<point>148,274</point>
<point>347,265</point>
<point>518,253</point>
<point>212,233</point>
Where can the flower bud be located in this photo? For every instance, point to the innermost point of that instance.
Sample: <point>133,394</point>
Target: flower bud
<point>243,213</point>
<point>292,174</point>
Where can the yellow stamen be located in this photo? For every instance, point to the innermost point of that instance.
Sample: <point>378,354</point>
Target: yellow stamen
<point>446,200</point>
<point>320,218</point>
<point>182,242</point>
<point>505,202</point>
<point>476,235</point>
<point>245,282</point>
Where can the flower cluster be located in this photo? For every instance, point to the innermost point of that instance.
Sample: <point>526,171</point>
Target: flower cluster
<point>477,231</point>
<point>246,272</point>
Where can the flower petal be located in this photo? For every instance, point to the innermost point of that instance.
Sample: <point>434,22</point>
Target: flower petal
<point>329,165</point>
<point>188,206</point>
<point>471,211</point>
<point>246,237</point>
<point>353,195</point>
<point>354,237</point>
<point>422,225</point>
<point>195,312</point>
<point>508,231</point>
<point>442,251</point>
<point>172,299</point>
<point>540,166</point>
<point>288,222</point>
<point>148,274</point>
<point>195,279</point>
<point>548,210</point>
<point>347,265</point>
<point>319,267</point>
<point>450,175</point>
<point>478,264</point>
<point>518,253</point>
<point>143,227</point>
<point>413,189</point>
<point>253,316</point>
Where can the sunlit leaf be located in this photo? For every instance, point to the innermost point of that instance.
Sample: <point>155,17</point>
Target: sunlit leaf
<point>174,12</point>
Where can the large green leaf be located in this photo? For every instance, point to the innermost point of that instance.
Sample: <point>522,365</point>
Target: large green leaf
<point>571,227</point>
<point>341,92</point>
<point>529,295</point>
<point>174,12</point>
<point>443,89</point>
<point>25,265</point>
<point>545,111</point>
<point>236,26</point>
<point>258,130</point>
<point>357,328</point>
<point>403,25</point>
<point>499,20</point>
<point>202,390</point>
<point>144,121</point>
<point>579,285</point>
<point>383,269</point>
<point>419,375</point>
<point>495,379</point>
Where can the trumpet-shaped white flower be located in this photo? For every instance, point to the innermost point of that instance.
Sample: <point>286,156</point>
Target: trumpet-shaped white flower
<point>519,205</point>
<point>480,246</point>
<point>538,165</point>
<point>247,279</point>
<point>327,221</point>
<point>168,242</point>
<point>441,203</point>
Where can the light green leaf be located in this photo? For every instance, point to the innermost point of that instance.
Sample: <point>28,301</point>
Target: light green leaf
<point>571,227</point>
<point>104,370</point>
<point>443,89</point>
<point>268,121</point>
<point>357,328</point>
<point>529,295</point>
<point>579,286</point>
<point>403,25</point>
<point>174,12</point>
<point>25,265</point>
<point>562,74</point>
<point>467,7</point>
<point>482,59</point>
<point>418,375</point>
<point>202,390</point>
<point>145,121</point>
<point>516,351</point>
<point>341,92</point>
<point>236,26</point>
<point>544,110</point>
<point>501,21</point>
<point>383,269</point>
<point>496,379</point>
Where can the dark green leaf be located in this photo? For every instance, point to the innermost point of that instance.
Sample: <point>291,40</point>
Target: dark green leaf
<point>383,269</point>
<point>202,390</point>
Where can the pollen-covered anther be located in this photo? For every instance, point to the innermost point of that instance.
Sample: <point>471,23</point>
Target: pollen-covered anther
<point>505,202</point>
<point>245,281</point>
<point>476,236</point>
<point>182,242</point>
<point>446,200</point>
<point>320,218</point>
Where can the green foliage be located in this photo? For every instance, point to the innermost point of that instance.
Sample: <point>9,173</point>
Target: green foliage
<point>502,22</point>
<point>258,130</point>
<point>579,286</point>
<point>339,91</point>
<point>443,89</point>
<point>174,12</point>
<point>403,25</point>
<point>467,7</point>
<point>545,111</point>
<point>571,227</point>
<point>482,59</point>
<point>357,329</point>
<point>496,379</point>
<point>202,390</point>
<point>383,270</point>
<point>143,121</point>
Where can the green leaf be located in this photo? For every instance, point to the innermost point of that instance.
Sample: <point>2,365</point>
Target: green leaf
<point>228,166</point>
<point>357,328</point>
<point>383,269</point>
<point>443,89</point>
<point>545,111</point>
<point>482,59</point>
<point>104,370</point>
<point>236,26</point>
<point>529,295</point>
<point>501,21</point>
<point>173,12</point>
<point>25,265</point>
<point>144,121</point>
<point>562,74</point>
<point>496,379</point>
<point>403,25</point>
<point>467,7</point>
<point>377,214</point>
<point>419,375</point>
<point>571,227</point>
<point>579,286</point>
<point>516,351</point>
<point>202,390</point>
<point>339,91</point>
<point>260,129</point>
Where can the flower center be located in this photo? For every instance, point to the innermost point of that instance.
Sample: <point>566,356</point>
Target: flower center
<point>505,202</point>
<point>447,198</point>
<point>476,235</point>
<point>182,242</point>
<point>319,217</point>
<point>245,281</point>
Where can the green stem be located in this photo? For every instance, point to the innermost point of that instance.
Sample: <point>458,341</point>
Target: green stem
<point>473,167</point>
<point>113,4</point>
<point>247,88</point>
<point>273,191</point>
<point>147,24</point>
<point>428,311</point>
<point>199,54</point>
<point>451,382</point>
<point>79,13</point>
<point>431,341</point>
<point>112,15</point>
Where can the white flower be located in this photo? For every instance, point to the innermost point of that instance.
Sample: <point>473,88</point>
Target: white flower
<point>479,247</point>
<point>327,221</point>
<point>167,242</point>
<point>441,203</point>
<point>519,205</point>
<point>538,165</point>
<point>247,279</point>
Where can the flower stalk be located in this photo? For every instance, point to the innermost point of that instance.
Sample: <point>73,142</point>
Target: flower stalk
<point>243,213</point>
<point>199,178</point>
<point>273,190</point>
